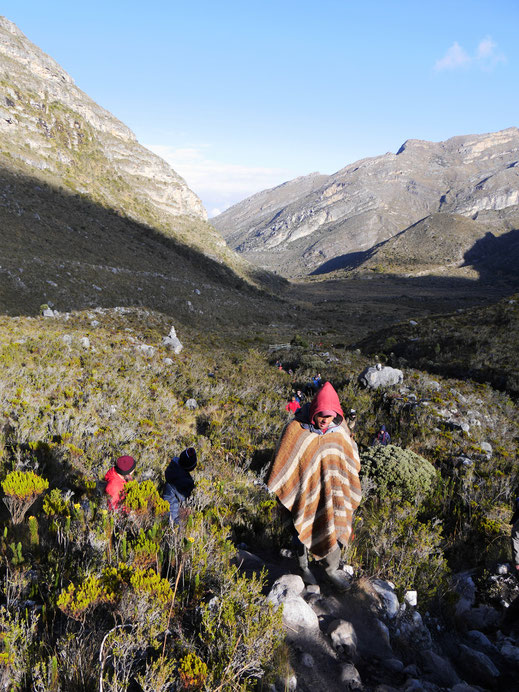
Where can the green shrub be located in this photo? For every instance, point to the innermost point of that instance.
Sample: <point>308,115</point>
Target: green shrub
<point>398,471</point>
<point>22,488</point>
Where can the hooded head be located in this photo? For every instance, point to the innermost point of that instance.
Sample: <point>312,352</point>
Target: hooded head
<point>326,402</point>
<point>188,459</point>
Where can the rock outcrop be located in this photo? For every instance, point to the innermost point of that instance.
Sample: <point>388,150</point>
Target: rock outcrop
<point>321,223</point>
<point>50,125</point>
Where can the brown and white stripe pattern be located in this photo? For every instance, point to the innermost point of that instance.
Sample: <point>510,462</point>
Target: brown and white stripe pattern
<point>316,477</point>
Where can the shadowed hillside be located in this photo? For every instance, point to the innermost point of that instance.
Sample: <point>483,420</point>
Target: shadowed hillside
<point>481,344</point>
<point>60,248</point>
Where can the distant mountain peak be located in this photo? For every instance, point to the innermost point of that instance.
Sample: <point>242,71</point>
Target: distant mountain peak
<point>312,226</point>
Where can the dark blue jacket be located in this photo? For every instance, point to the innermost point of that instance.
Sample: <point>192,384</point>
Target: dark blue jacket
<point>179,478</point>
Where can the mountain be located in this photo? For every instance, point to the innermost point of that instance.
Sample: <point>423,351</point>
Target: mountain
<point>87,215</point>
<point>319,223</point>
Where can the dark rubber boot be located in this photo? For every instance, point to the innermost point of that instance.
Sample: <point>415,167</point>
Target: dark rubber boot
<point>307,575</point>
<point>339,579</point>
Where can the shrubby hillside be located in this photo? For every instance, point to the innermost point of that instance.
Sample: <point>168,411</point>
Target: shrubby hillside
<point>121,601</point>
<point>480,343</point>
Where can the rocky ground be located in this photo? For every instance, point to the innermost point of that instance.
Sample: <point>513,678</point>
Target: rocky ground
<point>369,639</point>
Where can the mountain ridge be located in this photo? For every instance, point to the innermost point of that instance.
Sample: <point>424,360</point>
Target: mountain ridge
<point>373,199</point>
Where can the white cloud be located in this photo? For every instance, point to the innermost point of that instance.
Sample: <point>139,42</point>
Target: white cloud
<point>219,184</point>
<point>486,57</point>
<point>454,58</point>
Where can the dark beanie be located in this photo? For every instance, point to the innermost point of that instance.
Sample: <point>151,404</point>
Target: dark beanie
<point>125,465</point>
<point>187,459</point>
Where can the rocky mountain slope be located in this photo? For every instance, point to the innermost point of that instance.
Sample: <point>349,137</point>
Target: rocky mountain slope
<point>319,223</point>
<point>83,204</point>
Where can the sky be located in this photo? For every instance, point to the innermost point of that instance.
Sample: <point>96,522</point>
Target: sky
<point>240,96</point>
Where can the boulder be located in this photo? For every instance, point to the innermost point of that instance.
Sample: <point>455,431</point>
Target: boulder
<point>297,614</point>
<point>191,404</point>
<point>343,636</point>
<point>477,666</point>
<point>374,378</point>
<point>438,669</point>
<point>481,642</point>
<point>511,653</point>
<point>285,587</point>
<point>388,597</point>
<point>482,618</point>
<point>172,341</point>
<point>350,677</point>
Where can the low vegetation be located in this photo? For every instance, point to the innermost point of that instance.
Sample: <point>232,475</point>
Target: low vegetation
<point>93,599</point>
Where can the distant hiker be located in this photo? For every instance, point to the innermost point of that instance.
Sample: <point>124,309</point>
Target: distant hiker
<point>293,404</point>
<point>382,437</point>
<point>179,482</point>
<point>351,419</point>
<point>116,478</point>
<point>299,396</point>
<point>315,475</point>
<point>316,381</point>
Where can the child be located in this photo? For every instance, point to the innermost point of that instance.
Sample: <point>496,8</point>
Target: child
<point>179,483</point>
<point>116,478</point>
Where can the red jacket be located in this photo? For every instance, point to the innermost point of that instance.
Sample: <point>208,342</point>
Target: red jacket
<point>114,485</point>
<point>293,406</point>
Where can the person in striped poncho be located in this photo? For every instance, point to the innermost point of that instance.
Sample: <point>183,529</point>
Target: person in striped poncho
<point>315,475</point>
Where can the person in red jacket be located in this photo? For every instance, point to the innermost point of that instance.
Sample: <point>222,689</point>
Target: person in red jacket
<point>116,478</point>
<point>293,405</point>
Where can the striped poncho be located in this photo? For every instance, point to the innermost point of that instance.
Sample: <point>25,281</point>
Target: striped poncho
<point>316,477</point>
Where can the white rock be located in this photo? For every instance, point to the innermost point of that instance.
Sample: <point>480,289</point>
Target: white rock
<point>486,447</point>
<point>348,569</point>
<point>94,323</point>
<point>287,586</point>
<point>85,342</point>
<point>411,598</point>
<point>167,361</point>
<point>413,323</point>
<point>146,349</point>
<point>380,377</point>
<point>48,312</point>
<point>191,404</point>
<point>67,339</point>
<point>298,614</point>
<point>172,341</point>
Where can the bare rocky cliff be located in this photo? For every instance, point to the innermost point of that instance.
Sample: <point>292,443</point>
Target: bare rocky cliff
<point>322,225</point>
<point>55,131</point>
<point>88,216</point>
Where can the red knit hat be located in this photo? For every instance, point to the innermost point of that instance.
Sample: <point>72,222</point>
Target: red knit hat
<point>125,465</point>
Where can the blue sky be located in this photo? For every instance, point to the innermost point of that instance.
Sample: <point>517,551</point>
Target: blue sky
<point>241,96</point>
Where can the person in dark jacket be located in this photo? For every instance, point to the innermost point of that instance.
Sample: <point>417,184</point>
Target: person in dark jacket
<point>179,482</point>
<point>382,437</point>
<point>116,478</point>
